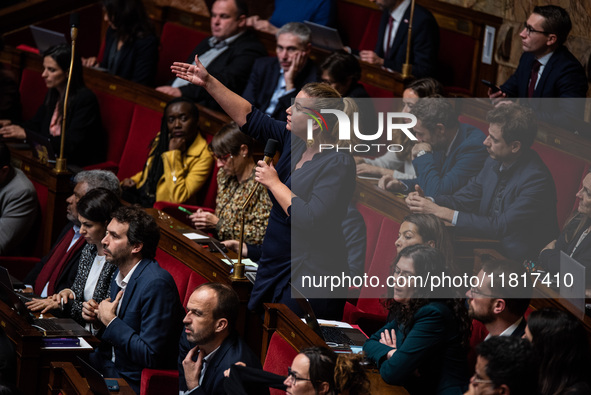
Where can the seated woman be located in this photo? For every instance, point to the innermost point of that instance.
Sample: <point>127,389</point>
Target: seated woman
<point>93,279</point>
<point>398,165</point>
<point>178,164</point>
<point>131,47</point>
<point>342,71</point>
<point>315,370</point>
<point>424,347</point>
<point>562,349</point>
<point>85,142</point>
<point>574,240</point>
<point>233,150</point>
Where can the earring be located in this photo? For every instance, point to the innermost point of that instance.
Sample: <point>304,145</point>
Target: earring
<point>310,142</point>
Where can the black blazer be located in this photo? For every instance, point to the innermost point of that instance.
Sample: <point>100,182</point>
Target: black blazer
<point>563,77</point>
<point>424,45</point>
<point>232,67</point>
<point>137,60</point>
<point>263,80</point>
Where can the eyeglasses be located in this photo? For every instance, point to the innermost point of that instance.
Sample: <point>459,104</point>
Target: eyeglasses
<point>476,379</point>
<point>531,30</point>
<point>223,158</point>
<point>476,291</point>
<point>294,378</point>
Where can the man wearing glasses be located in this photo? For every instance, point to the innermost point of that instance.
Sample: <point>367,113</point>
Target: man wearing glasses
<point>547,69</point>
<point>501,298</point>
<point>505,365</point>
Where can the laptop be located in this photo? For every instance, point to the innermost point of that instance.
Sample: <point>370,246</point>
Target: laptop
<point>97,383</point>
<point>325,37</point>
<point>51,327</point>
<point>13,283</point>
<point>45,38</point>
<point>572,283</point>
<point>333,336</point>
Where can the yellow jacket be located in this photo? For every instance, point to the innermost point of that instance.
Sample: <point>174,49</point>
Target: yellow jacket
<point>183,176</point>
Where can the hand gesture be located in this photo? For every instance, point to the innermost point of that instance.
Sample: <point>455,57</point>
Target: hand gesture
<point>107,310</point>
<point>89,311</point>
<point>63,295</point>
<point>297,64</point>
<point>170,91</point>
<point>388,338</point>
<point>420,204</point>
<point>192,369</point>
<point>233,245</point>
<point>177,143</point>
<point>196,74</point>
<point>266,174</point>
<point>89,62</point>
<point>13,132</point>
<point>204,219</point>
<point>227,371</point>
<point>43,305</point>
<point>371,57</point>
<point>128,183</point>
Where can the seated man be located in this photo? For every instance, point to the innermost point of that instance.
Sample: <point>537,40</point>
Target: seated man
<point>505,365</point>
<point>390,49</point>
<point>210,344</point>
<point>448,153</point>
<point>57,270</point>
<point>512,199</point>
<point>140,323</point>
<point>547,69</point>
<point>18,206</point>
<point>500,308</point>
<point>274,82</point>
<point>228,54</point>
<point>179,162</point>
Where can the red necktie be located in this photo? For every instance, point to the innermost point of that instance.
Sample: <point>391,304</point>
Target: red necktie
<point>388,35</point>
<point>533,78</point>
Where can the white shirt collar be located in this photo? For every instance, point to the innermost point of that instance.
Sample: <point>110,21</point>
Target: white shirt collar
<point>399,11</point>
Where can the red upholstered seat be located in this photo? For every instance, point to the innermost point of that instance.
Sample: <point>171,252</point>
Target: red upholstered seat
<point>455,58</point>
<point>358,35</point>
<point>279,356</point>
<point>145,124</point>
<point>32,90</point>
<point>116,114</point>
<point>159,382</point>
<point>179,271</point>
<point>176,44</point>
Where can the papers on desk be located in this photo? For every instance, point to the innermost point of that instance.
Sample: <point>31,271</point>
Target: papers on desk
<point>249,265</point>
<point>196,236</point>
<point>375,178</point>
<point>56,344</point>
<point>336,324</point>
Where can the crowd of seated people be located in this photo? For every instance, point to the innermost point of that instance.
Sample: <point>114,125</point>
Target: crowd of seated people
<point>303,202</point>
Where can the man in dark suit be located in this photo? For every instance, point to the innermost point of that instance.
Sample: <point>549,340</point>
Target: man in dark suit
<point>210,345</point>
<point>500,308</point>
<point>273,82</point>
<point>228,54</point>
<point>448,153</point>
<point>390,51</point>
<point>512,199</point>
<point>547,69</point>
<point>140,323</point>
<point>57,270</point>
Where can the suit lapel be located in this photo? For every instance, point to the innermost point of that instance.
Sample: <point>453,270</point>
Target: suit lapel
<point>547,71</point>
<point>130,289</point>
<point>401,34</point>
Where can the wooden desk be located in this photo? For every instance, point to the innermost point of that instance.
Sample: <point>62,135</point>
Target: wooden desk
<point>64,378</point>
<point>32,362</point>
<point>59,188</point>
<point>279,318</point>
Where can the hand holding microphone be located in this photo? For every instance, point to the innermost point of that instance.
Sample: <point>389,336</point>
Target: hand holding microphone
<point>265,172</point>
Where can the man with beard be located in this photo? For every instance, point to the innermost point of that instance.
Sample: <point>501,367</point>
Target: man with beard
<point>209,345</point>
<point>501,299</point>
<point>141,321</point>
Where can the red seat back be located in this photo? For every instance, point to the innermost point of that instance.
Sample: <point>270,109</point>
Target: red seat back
<point>32,90</point>
<point>177,269</point>
<point>279,356</point>
<point>145,124</point>
<point>116,114</point>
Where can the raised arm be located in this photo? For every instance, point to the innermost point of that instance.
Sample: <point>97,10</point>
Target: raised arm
<point>234,105</point>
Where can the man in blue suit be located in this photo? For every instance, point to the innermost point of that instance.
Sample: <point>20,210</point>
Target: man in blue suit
<point>547,69</point>
<point>512,199</point>
<point>140,324</point>
<point>390,49</point>
<point>447,155</point>
<point>210,344</point>
<point>275,81</point>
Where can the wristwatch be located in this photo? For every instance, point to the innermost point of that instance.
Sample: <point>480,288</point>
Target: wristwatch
<point>421,153</point>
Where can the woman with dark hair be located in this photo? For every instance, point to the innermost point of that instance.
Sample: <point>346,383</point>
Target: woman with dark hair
<point>310,189</point>
<point>94,275</point>
<point>178,164</point>
<point>424,347</point>
<point>233,152</point>
<point>398,165</point>
<point>342,71</point>
<point>562,350</point>
<point>574,240</point>
<point>85,143</point>
<point>131,47</point>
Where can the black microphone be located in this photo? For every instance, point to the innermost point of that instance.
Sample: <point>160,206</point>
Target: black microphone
<point>270,150</point>
<point>74,22</point>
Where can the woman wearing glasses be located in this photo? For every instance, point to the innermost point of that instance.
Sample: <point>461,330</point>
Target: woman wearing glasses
<point>424,347</point>
<point>233,151</point>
